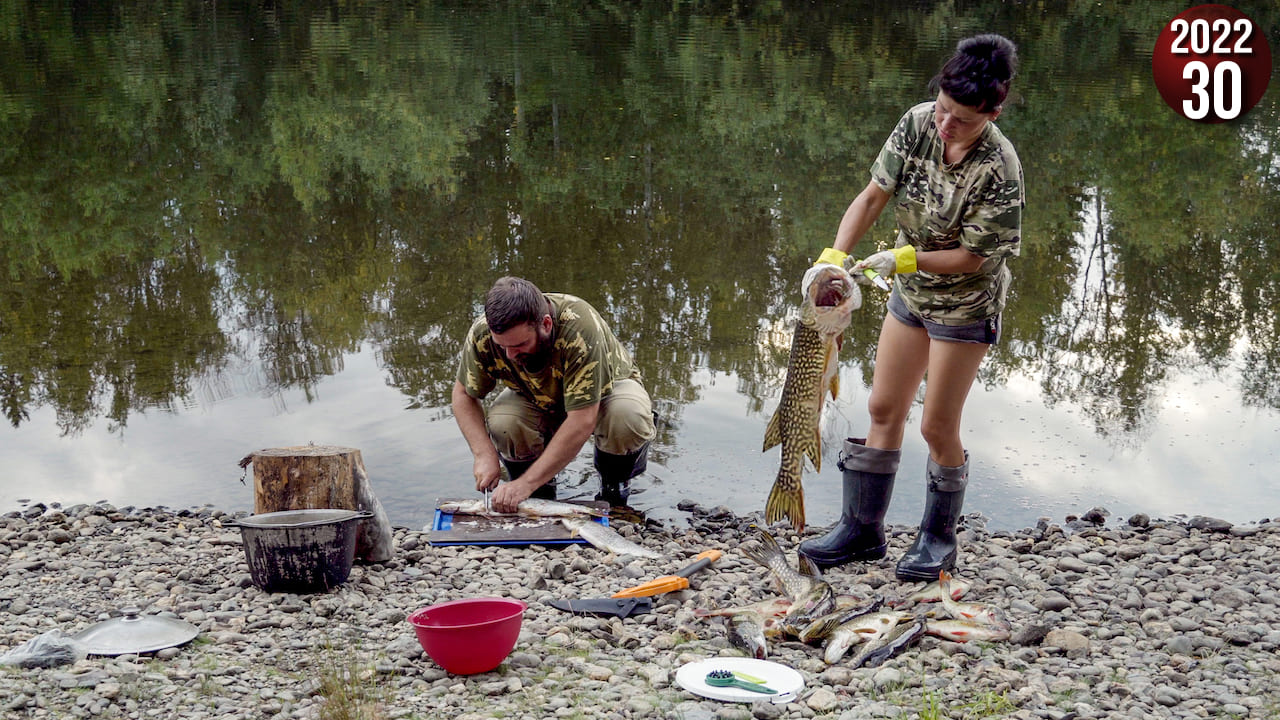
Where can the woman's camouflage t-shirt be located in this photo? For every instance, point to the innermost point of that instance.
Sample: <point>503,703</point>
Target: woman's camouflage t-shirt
<point>586,359</point>
<point>975,203</point>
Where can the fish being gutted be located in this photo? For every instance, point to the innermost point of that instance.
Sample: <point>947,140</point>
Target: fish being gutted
<point>606,538</point>
<point>826,311</point>
<point>533,507</point>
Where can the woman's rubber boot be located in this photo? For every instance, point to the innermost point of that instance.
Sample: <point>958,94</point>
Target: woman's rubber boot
<point>616,472</point>
<point>934,548</point>
<point>516,468</point>
<point>868,486</point>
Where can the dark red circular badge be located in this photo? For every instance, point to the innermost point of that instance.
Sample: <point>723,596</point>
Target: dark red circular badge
<point>1211,63</point>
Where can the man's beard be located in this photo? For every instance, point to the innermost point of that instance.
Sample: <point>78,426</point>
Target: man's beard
<point>537,360</point>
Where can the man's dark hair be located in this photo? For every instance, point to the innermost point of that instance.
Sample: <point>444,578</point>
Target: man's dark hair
<point>513,301</point>
<point>979,73</point>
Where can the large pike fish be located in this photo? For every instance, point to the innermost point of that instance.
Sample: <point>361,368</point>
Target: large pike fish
<point>811,372</point>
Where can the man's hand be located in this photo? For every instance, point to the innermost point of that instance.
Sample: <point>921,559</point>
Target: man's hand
<point>487,471</point>
<point>510,494</point>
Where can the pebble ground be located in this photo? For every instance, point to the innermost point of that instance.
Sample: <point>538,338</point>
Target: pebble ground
<point>1123,618</point>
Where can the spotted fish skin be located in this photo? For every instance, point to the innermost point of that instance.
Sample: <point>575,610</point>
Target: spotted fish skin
<point>812,368</point>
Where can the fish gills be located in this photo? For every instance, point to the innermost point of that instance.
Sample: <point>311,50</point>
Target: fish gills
<point>811,371</point>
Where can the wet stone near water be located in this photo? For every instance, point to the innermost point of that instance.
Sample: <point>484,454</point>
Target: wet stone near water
<point>1153,619</point>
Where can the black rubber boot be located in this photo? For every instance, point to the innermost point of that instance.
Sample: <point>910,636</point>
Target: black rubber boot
<point>868,486</point>
<point>934,548</point>
<point>516,468</point>
<point>616,472</point>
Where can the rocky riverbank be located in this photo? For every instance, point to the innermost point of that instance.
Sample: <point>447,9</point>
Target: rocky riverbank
<point>1132,618</point>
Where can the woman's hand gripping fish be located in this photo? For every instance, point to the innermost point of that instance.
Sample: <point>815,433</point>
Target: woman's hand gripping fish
<point>810,595</point>
<point>812,370</point>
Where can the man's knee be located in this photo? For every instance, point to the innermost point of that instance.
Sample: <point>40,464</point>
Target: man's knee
<point>514,434</point>
<point>626,422</point>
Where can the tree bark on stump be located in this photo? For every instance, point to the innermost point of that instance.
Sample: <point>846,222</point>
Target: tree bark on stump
<point>311,477</point>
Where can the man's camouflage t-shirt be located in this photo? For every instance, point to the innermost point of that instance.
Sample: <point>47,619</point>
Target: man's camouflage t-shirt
<point>586,360</point>
<point>975,203</point>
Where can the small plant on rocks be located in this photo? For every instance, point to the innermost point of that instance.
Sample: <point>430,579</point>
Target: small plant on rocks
<point>348,689</point>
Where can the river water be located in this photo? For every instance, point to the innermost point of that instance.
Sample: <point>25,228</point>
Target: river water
<point>228,229</point>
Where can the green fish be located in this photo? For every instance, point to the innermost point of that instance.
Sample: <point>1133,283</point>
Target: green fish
<point>811,372</point>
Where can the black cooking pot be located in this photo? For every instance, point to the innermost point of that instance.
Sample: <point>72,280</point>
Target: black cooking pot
<point>300,551</point>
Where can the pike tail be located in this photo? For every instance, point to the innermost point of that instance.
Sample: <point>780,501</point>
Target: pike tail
<point>786,499</point>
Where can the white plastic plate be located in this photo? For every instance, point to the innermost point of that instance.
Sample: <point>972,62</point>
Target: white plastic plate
<point>787,681</point>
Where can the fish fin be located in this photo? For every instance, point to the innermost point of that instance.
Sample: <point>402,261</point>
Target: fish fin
<point>807,566</point>
<point>785,503</point>
<point>773,433</point>
<point>814,450</point>
<point>834,362</point>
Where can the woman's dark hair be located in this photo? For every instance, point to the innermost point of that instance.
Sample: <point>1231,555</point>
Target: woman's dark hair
<point>513,301</point>
<point>979,73</point>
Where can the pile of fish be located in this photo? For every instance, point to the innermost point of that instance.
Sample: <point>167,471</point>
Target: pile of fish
<point>813,613</point>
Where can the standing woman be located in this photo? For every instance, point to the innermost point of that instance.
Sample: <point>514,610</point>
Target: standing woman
<point>956,187</point>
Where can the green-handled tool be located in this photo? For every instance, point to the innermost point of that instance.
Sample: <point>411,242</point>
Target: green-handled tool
<point>876,279</point>
<point>725,678</point>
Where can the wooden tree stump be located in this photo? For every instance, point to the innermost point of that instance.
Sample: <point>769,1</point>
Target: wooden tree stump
<point>309,477</point>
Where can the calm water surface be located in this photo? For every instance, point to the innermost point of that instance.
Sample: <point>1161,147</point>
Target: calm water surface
<point>225,230</point>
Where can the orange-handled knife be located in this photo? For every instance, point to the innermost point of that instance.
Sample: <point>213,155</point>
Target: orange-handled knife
<point>671,583</point>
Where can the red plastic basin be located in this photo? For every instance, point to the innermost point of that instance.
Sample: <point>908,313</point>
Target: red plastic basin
<point>469,636</point>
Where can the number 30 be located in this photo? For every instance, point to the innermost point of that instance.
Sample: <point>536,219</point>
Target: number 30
<point>1225,88</point>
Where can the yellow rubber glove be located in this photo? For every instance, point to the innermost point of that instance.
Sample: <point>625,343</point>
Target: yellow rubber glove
<point>832,256</point>
<point>888,262</point>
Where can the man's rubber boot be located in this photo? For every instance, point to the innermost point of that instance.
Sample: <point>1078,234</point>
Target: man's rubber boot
<point>934,548</point>
<point>616,472</point>
<point>868,486</point>
<point>516,468</point>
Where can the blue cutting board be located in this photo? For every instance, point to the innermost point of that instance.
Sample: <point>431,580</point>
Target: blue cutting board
<point>451,529</point>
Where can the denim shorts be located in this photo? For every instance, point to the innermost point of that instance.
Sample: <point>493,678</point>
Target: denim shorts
<point>984,332</point>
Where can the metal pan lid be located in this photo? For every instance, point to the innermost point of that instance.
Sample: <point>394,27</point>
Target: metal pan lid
<point>133,633</point>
